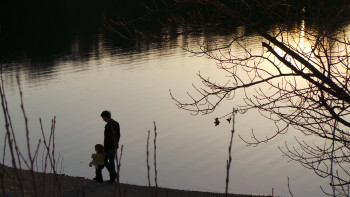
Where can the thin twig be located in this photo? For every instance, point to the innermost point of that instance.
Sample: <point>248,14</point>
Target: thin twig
<point>290,192</point>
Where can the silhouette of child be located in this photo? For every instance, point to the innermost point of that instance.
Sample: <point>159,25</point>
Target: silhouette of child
<point>98,160</point>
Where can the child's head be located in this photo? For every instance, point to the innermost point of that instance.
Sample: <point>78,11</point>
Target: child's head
<point>98,148</point>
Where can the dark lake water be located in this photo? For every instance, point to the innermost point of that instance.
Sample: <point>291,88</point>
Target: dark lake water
<point>78,75</point>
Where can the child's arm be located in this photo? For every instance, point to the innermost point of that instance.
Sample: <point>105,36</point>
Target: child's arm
<point>93,156</point>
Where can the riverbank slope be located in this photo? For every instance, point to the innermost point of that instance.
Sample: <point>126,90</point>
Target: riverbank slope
<point>82,187</point>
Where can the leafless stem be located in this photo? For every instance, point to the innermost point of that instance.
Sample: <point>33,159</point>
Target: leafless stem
<point>155,158</point>
<point>118,161</point>
<point>8,134</point>
<point>228,162</point>
<point>30,159</point>
<point>147,160</point>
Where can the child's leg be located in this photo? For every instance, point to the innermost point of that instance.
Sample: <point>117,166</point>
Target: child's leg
<point>99,177</point>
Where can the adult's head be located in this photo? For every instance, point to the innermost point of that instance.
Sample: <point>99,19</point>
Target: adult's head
<point>106,115</point>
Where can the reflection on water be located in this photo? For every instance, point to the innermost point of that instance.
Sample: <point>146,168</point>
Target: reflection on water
<point>77,76</point>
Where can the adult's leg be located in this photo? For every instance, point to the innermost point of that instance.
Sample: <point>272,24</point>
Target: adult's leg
<point>110,165</point>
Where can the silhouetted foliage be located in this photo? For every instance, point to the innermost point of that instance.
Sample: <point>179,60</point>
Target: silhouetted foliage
<point>299,79</point>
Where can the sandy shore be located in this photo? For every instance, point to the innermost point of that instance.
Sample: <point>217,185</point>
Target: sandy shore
<point>49,184</point>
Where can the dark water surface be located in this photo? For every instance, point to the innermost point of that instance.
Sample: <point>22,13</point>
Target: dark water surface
<point>77,74</point>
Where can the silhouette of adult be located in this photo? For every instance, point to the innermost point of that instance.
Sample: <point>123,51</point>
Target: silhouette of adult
<point>111,141</point>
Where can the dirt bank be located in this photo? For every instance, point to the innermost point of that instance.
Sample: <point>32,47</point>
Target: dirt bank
<point>67,186</point>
